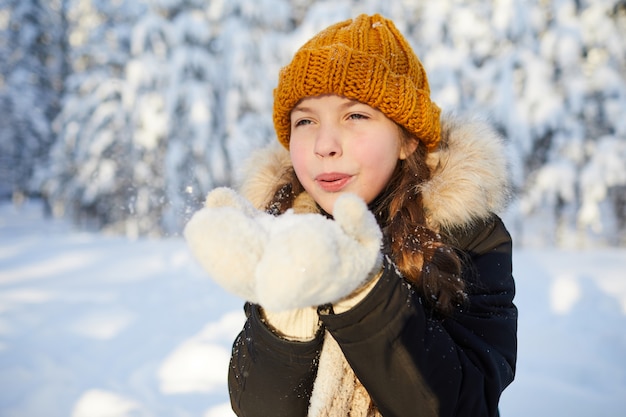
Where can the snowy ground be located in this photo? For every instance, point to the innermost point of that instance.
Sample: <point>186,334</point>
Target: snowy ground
<point>95,326</point>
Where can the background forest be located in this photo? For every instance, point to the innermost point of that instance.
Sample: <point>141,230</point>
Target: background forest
<point>122,115</point>
<point>118,116</point>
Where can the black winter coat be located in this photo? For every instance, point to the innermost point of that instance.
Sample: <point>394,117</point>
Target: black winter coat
<point>410,362</point>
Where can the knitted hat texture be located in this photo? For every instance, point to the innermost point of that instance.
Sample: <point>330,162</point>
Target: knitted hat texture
<point>364,59</point>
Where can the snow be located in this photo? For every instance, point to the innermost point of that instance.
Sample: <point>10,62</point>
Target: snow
<point>93,325</point>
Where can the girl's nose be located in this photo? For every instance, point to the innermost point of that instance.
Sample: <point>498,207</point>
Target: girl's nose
<point>327,143</point>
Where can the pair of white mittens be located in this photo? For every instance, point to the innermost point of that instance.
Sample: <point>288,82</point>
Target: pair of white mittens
<point>288,261</point>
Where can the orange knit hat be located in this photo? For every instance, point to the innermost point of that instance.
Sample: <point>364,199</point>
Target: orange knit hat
<point>364,59</point>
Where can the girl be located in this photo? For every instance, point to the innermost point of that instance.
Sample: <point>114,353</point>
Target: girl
<point>410,314</point>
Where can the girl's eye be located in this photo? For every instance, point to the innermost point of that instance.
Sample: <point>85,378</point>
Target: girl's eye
<point>302,122</point>
<point>357,116</point>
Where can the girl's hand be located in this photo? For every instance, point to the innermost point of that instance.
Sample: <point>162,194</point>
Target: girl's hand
<point>312,260</point>
<point>289,261</point>
<point>228,241</point>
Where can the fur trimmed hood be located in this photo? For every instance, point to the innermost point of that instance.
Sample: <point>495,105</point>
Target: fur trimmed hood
<point>469,174</point>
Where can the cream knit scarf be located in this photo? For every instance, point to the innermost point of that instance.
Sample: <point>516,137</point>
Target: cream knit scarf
<point>337,391</point>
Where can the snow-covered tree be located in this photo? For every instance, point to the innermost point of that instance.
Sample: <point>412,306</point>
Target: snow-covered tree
<point>166,98</point>
<point>171,84</point>
<point>572,100</point>
<point>552,76</point>
<point>147,134</point>
<point>88,173</point>
<point>192,89</point>
<point>30,87</point>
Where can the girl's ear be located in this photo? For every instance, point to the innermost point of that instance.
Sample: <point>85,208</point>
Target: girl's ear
<point>407,147</point>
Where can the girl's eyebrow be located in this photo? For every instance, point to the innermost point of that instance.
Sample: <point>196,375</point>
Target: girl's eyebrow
<point>300,109</point>
<point>350,104</point>
<point>343,106</point>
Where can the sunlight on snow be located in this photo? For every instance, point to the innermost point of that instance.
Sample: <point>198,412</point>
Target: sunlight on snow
<point>192,368</point>
<point>103,325</point>
<point>223,410</point>
<point>100,403</point>
<point>20,296</point>
<point>9,299</point>
<point>564,294</point>
<point>153,121</point>
<point>185,369</point>
<point>59,264</point>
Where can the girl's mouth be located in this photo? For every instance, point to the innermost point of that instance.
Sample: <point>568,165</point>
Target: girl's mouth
<point>332,182</point>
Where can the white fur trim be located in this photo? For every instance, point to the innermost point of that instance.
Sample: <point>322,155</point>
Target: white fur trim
<point>262,172</point>
<point>469,174</point>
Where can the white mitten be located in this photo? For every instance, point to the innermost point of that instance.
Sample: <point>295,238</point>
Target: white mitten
<point>312,260</point>
<point>227,240</point>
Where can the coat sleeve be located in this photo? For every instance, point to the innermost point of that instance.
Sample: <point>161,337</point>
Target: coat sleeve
<point>412,364</point>
<point>270,376</point>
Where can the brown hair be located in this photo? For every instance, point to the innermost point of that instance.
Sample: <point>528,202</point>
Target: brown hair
<point>419,253</point>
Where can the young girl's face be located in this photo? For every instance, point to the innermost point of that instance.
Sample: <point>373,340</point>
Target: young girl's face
<point>339,145</point>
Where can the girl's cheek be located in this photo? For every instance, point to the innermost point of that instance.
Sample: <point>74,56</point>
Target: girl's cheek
<point>297,157</point>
